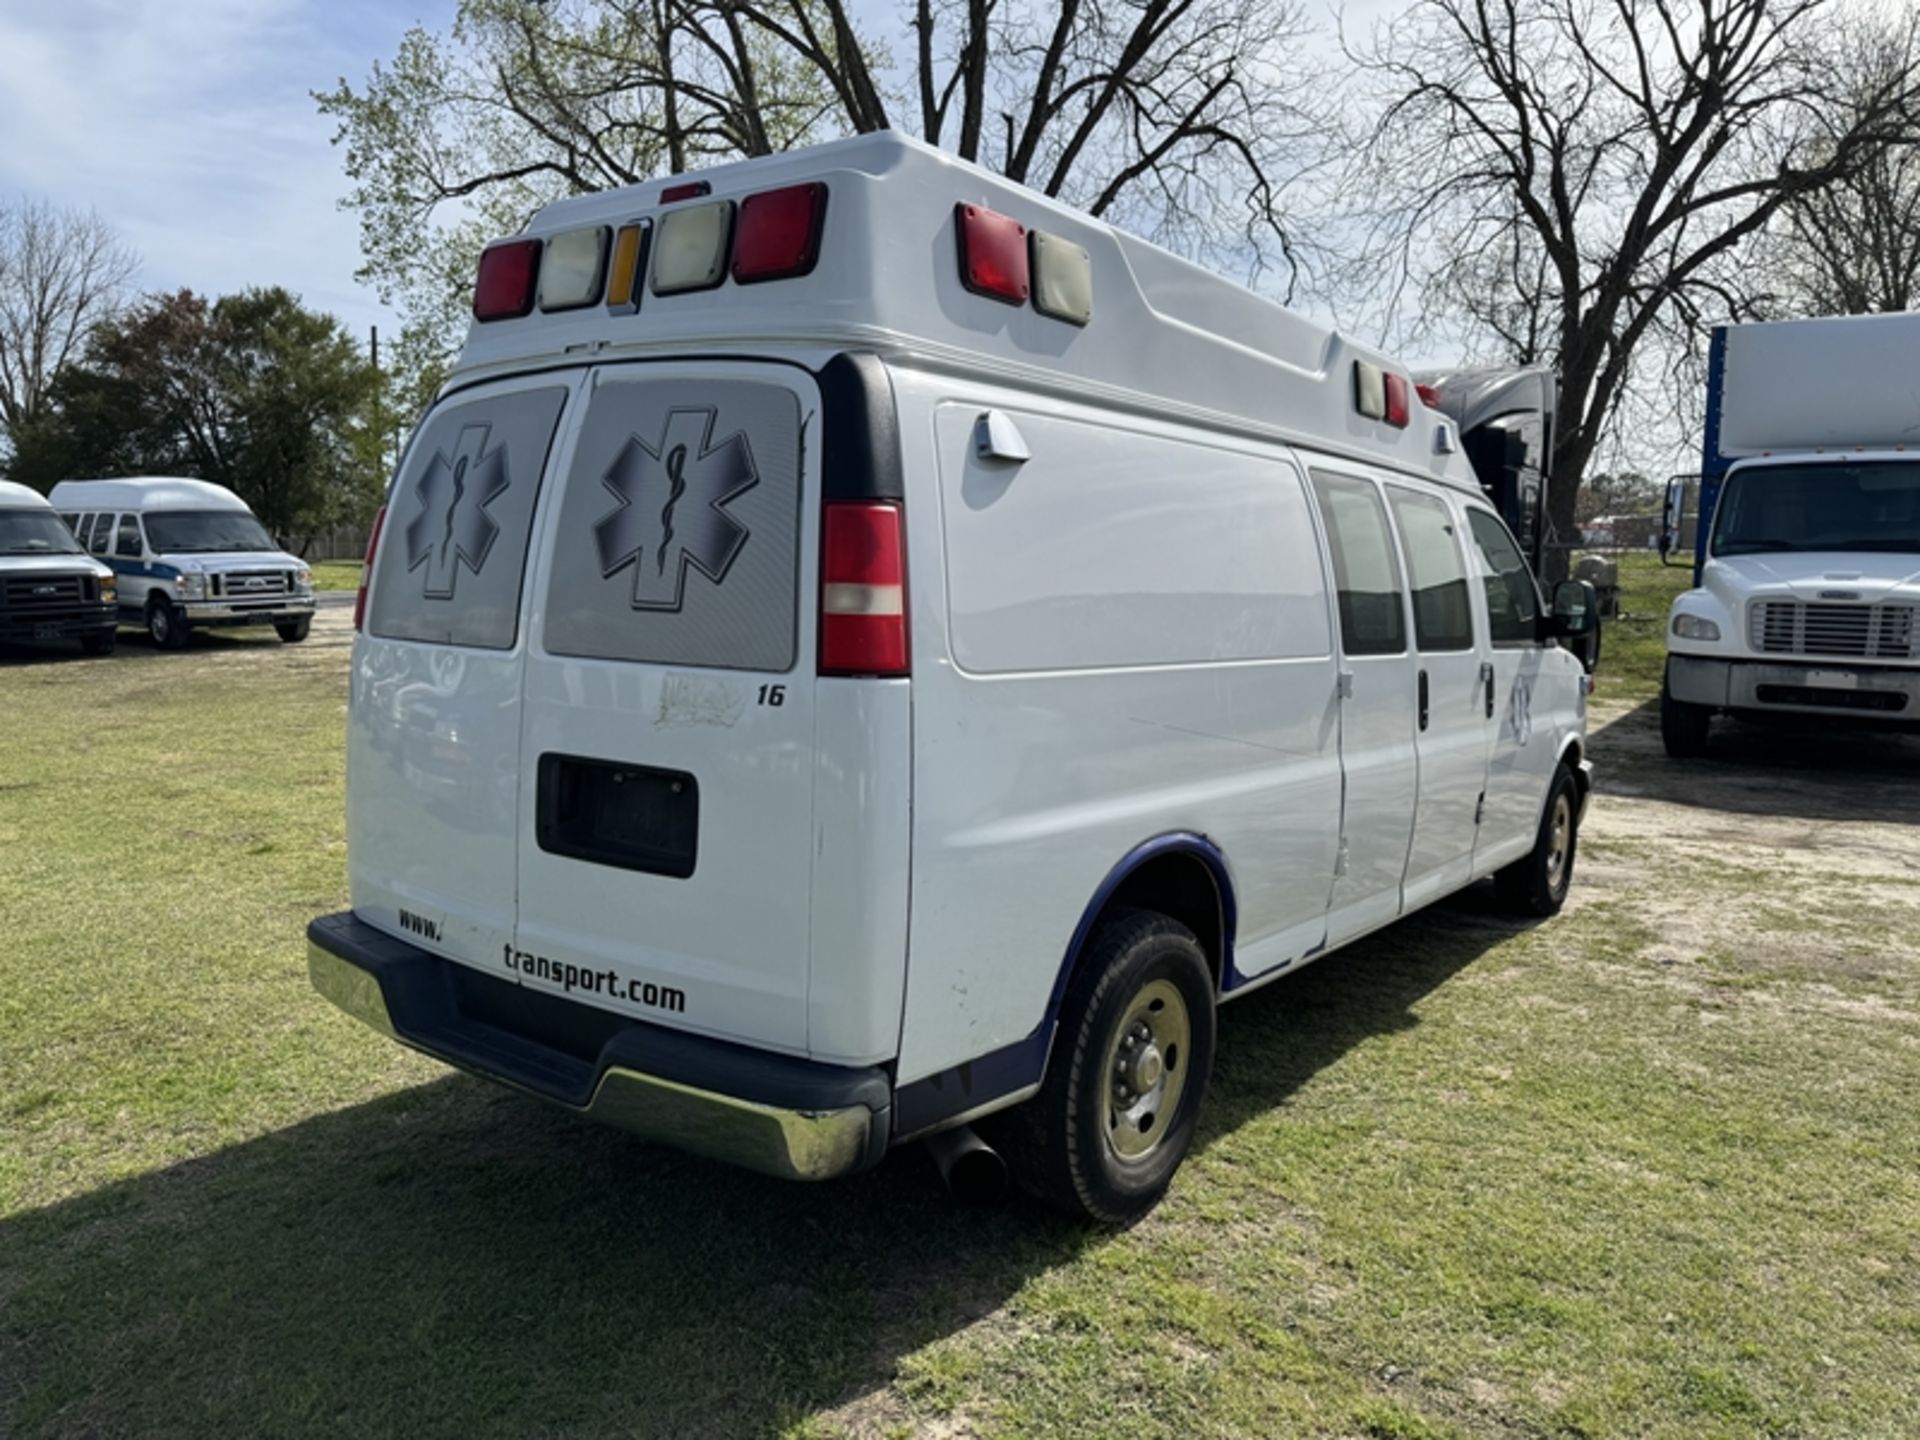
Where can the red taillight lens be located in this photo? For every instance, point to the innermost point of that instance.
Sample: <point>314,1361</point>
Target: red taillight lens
<point>993,254</point>
<point>1398,407</point>
<point>504,290</point>
<point>1429,396</point>
<point>366,570</point>
<point>685,190</point>
<point>778,233</point>
<point>863,593</point>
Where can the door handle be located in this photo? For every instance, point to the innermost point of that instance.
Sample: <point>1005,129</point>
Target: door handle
<point>1423,699</point>
<point>1486,676</point>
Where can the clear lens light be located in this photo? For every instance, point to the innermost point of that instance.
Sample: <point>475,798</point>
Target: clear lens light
<point>1695,627</point>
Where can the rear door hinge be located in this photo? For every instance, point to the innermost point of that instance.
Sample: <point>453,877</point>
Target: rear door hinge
<point>1343,687</point>
<point>1480,808</point>
<point>1340,859</point>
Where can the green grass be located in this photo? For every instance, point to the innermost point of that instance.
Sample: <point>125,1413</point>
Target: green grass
<point>336,575</point>
<point>1633,649</point>
<point>1466,1180</point>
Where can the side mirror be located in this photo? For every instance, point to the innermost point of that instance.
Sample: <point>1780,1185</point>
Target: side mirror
<point>1672,516</point>
<point>1576,620</point>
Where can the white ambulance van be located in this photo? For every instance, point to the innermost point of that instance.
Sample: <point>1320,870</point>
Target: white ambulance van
<point>858,647</point>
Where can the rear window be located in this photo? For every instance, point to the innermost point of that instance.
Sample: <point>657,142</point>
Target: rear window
<point>678,539</point>
<point>454,549</point>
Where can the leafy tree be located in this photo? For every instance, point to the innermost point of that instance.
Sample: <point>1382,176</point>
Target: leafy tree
<point>253,391</point>
<point>1182,119</point>
<point>1585,181</point>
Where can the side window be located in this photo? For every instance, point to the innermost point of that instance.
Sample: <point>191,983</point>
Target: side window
<point>102,533</point>
<point>127,546</point>
<point>82,527</point>
<point>1373,615</point>
<point>1513,604</point>
<point>72,520</point>
<point>1442,614</point>
<point>454,549</point>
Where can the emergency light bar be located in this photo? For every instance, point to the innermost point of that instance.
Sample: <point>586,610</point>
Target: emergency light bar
<point>770,235</point>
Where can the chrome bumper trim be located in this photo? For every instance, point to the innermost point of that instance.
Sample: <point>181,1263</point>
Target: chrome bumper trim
<point>790,1144</point>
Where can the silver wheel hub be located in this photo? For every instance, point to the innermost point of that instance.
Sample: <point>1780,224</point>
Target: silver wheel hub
<point>1146,1069</point>
<point>1558,838</point>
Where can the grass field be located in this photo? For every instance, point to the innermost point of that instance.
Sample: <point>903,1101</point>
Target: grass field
<point>336,575</point>
<point>1651,1169</point>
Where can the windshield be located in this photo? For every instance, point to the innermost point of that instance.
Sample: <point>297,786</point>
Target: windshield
<point>177,532</point>
<point>35,532</point>
<point>1861,505</point>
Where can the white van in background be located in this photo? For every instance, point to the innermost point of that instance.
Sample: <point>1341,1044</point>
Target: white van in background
<point>50,589</point>
<point>189,555</point>
<point>858,647</point>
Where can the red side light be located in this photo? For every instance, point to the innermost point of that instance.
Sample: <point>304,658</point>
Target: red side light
<point>1398,406</point>
<point>863,593</point>
<point>508,273</point>
<point>1429,396</point>
<point>993,254</point>
<point>686,190</point>
<point>778,233</point>
<point>366,570</point>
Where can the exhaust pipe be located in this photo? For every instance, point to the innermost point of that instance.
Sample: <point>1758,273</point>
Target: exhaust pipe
<point>973,1170</point>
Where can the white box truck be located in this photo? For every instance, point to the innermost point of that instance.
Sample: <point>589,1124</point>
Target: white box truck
<point>859,647</point>
<point>1807,552</point>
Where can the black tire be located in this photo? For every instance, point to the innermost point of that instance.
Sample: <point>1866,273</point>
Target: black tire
<point>101,643</point>
<point>1061,1145</point>
<point>294,631</point>
<point>1683,725</point>
<point>1537,884</point>
<point>166,625</point>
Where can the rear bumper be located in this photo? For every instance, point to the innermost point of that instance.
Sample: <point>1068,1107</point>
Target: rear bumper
<point>1835,689</point>
<point>772,1113</point>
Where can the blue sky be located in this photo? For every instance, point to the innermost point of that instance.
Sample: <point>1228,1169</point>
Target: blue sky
<point>189,127</point>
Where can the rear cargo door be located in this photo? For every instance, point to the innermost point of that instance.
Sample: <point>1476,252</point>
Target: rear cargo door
<point>434,734</point>
<point>666,763</point>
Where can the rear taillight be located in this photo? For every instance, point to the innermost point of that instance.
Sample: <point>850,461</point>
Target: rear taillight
<point>863,593</point>
<point>504,290</point>
<point>366,570</point>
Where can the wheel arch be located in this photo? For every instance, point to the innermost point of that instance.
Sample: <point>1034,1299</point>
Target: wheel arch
<point>1180,873</point>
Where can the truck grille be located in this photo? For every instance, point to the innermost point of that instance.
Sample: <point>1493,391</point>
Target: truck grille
<point>27,593</point>
<point>252,584</point>
<point>1868,632</point>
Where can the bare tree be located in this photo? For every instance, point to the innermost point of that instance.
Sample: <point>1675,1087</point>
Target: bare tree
<point>1181,119</point>
<point>61,273</point>
<point>1581,178</point>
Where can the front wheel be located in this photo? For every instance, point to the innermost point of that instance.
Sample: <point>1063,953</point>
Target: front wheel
<point>1537,884</point>
<point>166,625</point>
<point>294,631</point>
<point>1683,726</point>
<point>1115,1116</point>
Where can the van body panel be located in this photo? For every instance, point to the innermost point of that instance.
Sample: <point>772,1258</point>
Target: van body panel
<point>1031,784</point>
<point>433,748</point>
<point>667,647</point>
<point>1379,708</point>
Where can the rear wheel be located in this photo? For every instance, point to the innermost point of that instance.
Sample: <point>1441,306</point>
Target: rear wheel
<point>1115,1116</point>
<point>294,631</point>
<point>166,625</point>
<point>1538,883</point>
<point>100,643</point>
<point>1683,726</point>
